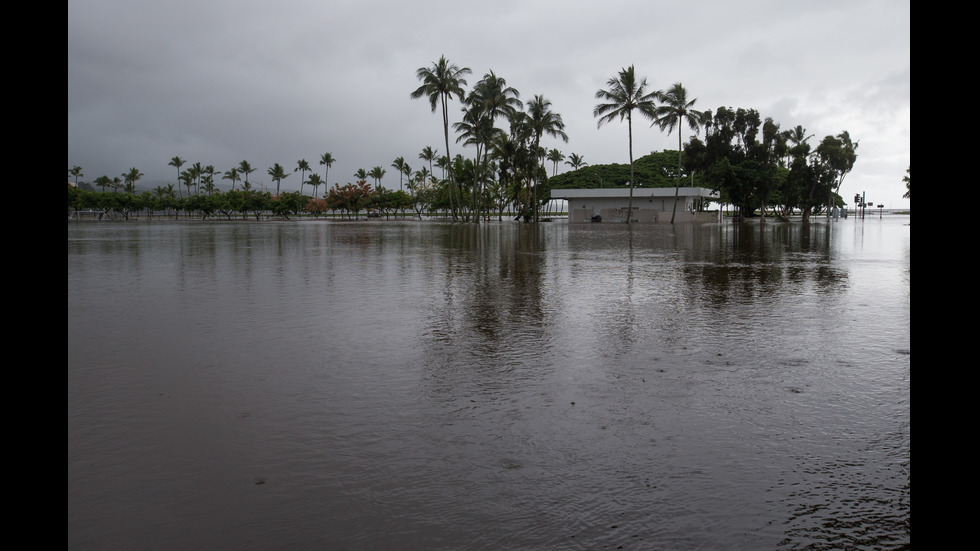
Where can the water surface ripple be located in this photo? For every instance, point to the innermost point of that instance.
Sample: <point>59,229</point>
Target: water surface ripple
<point>405,385</point>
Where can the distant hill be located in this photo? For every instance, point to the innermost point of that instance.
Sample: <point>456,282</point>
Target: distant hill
<point>654,170</point>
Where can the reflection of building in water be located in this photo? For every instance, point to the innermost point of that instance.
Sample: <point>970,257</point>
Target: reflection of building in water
<point>649,204</point>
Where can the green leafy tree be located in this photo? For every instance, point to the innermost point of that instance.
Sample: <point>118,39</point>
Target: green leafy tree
<point>672,112</point>
<point>624,95</point>
<point>839,153</point>
<point>750,172</point>
<point>350,198</point>
<point>316,206</point>
<point>166,199</point>
<point>288,203</point>
<point>401,201</point>
<point>440,83</point>
<point>835,157</point>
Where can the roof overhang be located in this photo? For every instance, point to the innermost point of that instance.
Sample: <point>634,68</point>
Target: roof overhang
<point>595,193</point>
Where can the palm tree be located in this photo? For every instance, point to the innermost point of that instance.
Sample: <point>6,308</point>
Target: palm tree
<point>187,179</point>
<point>209,173</point>
<point>476,129</point>
<point>177,162</point>
<point>209,187</point>
<point>440,83</point>
<point>490,98</point>
<point>443,163</point>
<point>542,120</point>
<point>419,185</point>
<point>327,161</point>
<point>361,174</point>
<point>315,181</point>
<point>165,192</point>
<point>233,176</point>
<point>302,167</point>
<point>245,169</point>
<point>377,173</point>
<point>407,172</point>
<point>76,171</point>
<point>517,160</point>
<point>196,170</point>
<point>672,112</point>
<point>423,177</point>
<point>131,178</point>
<point>623,96</point>
<point>103,182</point>
<point>429,154</point>
<point>555,157</point>
<point>399,165</point>
<point>798,137</point>
<point>576,161</point>
<point>277,173</point>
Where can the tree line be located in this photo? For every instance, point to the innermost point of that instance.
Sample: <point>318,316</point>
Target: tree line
<point>750,161</point>
<point>344,201</point>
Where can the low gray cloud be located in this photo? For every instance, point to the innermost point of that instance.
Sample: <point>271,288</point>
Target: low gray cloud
<point>218,81</point>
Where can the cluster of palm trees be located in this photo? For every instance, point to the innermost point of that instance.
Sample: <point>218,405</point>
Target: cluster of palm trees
<point>515,157</point>
<point>202,177</point>
<point>667,109</point>
<point>126,181</point>
<point>511,162</point>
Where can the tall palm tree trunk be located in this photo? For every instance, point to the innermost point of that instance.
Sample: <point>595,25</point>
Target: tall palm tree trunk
<point>452,185</point>
<point>629,204</point>
<point>677,177</point>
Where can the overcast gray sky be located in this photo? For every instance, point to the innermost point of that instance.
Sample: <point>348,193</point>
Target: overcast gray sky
<point>219,81</point>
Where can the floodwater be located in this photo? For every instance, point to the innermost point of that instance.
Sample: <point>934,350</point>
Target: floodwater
<point>424,385</point>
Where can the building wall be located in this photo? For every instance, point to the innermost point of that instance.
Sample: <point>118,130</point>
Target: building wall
<point>645,210</point>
